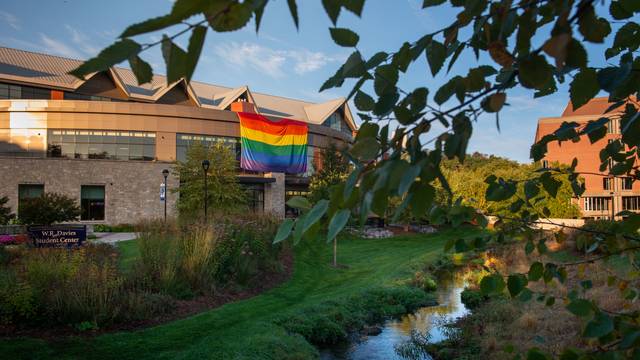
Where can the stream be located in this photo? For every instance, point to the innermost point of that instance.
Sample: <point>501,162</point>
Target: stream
<point>396,331</point>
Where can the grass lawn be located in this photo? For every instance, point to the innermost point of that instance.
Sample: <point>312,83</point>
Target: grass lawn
<point>229,331</point>
<point>128,252</point>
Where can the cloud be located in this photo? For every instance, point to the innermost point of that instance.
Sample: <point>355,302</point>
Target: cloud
<point>53,46</point>
<point>82,41</point>
<point>10,20</point>
<point>272,62</point>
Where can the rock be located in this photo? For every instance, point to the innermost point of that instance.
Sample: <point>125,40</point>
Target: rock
<point>374,330</point>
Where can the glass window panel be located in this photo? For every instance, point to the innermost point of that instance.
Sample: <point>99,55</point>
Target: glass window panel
<point>96,137</point>
<point>109,150</point>
<point>92,202</point>
<point>149,152</point>
<point>68,150</point>
<point>109,137</point>
<point>96,151</point>
<point>82,151</point>
<point>82,136</point>
<point>69,136</point>
<point>137,138</point>
<point>135,152</point>
<point>122,152</point>
<point>123,138</point>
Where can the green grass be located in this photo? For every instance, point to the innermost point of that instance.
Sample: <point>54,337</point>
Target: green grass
<point>244,329</point>
<point>129,251</point>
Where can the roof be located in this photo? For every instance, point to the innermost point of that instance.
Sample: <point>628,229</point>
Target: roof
<point>596,106</point>
<point>37,69</point>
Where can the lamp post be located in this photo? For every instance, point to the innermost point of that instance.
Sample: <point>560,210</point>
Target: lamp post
<point>205,167</point>
<point>165,174</point>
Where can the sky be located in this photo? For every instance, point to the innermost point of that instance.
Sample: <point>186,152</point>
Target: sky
<point>280,60</point>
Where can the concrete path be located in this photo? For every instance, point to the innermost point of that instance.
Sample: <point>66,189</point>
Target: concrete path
<point>111,238</point>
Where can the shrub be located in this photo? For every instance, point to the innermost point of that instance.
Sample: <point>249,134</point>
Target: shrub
<point>472,298</point>
<point>48,209</point>
<point>113,228</point>
<point>332,321</point>
<point>5,211</point>
<point>424,281</point>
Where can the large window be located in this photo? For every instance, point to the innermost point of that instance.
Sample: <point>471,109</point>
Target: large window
<point>255,196</point>
<point>631,203</point>
<point>29,191</point>
<point>596,203</point>
<point>626,183</point>
<point>23,142</point>
<point>336,121</point>
<point>183,141</point>
<point>99,144</point>
<point>613,126</point>
<point>78,96</point>
<point>607,183</point>
<point>92,202</point>
<point>10,91</point>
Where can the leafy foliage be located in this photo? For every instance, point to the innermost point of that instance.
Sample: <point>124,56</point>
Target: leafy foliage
<point>224,191</point>
<point>5,211</point>
<point>50,208</point>
<point>531,45</point>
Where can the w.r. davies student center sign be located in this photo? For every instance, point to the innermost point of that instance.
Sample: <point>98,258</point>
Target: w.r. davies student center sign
<point>58,235</point>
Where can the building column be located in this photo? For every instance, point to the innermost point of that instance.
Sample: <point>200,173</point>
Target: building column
<point>274,195</point>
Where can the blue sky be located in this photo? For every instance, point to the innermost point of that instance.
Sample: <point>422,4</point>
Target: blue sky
<point>278,60</point>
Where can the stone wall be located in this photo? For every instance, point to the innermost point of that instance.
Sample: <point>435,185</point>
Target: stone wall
<point>274,195</point>
<point>132,188</point>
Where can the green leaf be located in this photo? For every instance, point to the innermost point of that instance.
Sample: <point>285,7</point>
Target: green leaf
<point>225,16</point>
<point>531,189</point>
<point>351,183</point>
<point>593,28</point>
<point>354,66</point>
<point>610,78</point>
<point>422,195</point>
<point>368,130</point>
<point>363,101</point>
<point>429,3</point>
<point>259,11</point>
<point>299,202</point>
<point>584,87</point>
<point>536,354</point>
<point>110,56</point>
<point>550,184</point>
<point>596,129</point>
<point>493,103</point>
<point>344,37</point>
<point>408,177</point>
<point>535,271</point>
<point>386,77</point>
<point>283,230</point>
<point>599,326</point>
<point>436,54</point>
<point>366,149</point>
<point>447,90</point>
<point>535,72</point>
<point>580,307</point>
<point>315,214</point>
<point>492,284</point>
<point>181,10</point>
<point>337,223</point>
<point>293,8</point>
<point>141,69</point>
<point>332,8</point>
<point>175,58</point>
<point>193,51</point>
<point>516,283</point>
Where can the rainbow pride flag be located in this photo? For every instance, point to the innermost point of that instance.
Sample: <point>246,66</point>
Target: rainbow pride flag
<point>273,146</point>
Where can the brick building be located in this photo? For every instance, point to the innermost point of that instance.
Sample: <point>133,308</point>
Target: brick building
<point>105,140</point>
<point>605,194</point>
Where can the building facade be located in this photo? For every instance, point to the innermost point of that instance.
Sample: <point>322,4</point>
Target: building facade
<point>105,140</point>
<point>604,195</point>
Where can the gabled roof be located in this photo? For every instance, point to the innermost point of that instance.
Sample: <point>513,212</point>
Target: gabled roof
<point>50,71</point>
<point>595,106</point>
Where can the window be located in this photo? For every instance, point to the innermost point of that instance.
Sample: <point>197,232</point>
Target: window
<point>78,96</point>
<point>23,142</point>
<point>545,164</point>
<point>100,144</point>
<point>29,191</point>
<point>613,126</point>
<point>10,91</point>
<point>336,121</point>
<point>255,196</point>
<point>92,202</point>
<point>631,203</point>
<point>183,141</point>
<point>627,183</point>
<point>596,203</point>
<point>607,183</point>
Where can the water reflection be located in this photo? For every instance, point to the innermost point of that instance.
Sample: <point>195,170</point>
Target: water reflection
<point>396,331</point>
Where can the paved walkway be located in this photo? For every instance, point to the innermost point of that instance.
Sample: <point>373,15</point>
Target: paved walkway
<point>111,238</point>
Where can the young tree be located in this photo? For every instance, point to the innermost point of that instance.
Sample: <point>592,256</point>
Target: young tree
<point>334,170</point>
<point>50,208</point>
<point>224,191</point>
<point>5,211</point>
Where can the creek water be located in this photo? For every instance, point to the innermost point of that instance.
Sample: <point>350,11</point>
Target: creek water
<point>394,332</point>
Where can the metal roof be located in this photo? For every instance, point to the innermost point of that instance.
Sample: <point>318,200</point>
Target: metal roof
<point>51,71</point>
